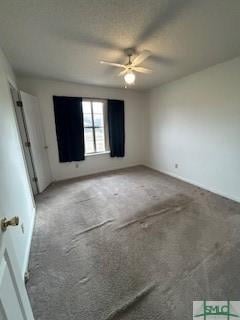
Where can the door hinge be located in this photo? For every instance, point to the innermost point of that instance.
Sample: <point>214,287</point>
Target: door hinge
<point>27,144</point>
<point>19,103</point>
<point>26,276</point>
<point>35,179</point>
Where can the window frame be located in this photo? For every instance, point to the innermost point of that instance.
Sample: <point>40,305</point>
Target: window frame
<point>93,127</point>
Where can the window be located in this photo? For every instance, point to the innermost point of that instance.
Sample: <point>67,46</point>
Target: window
<point>95,126</point>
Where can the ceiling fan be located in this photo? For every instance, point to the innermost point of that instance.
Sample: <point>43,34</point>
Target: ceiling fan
<point>131,66</point>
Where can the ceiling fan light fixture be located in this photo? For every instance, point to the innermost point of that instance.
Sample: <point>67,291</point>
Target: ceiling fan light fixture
<point>130,77</point>
<point>128,68</point>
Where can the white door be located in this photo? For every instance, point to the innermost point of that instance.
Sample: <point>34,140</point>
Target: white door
<point>37,139</point>
<point>14,302</point>
<point>15,199</point>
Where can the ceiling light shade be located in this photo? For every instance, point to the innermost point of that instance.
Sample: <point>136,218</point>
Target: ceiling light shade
<point>129,77</point>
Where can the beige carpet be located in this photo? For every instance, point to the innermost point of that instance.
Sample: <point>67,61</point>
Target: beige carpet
<point>132,244</point>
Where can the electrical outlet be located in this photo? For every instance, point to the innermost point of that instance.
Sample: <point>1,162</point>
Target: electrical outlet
<point>176,165</point>
<point>76,165</point>
<point>22,227</point>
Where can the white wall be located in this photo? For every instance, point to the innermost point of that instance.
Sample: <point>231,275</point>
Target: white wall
<point>15,192</point>
<point>195,122</point>
<point>134,125</point>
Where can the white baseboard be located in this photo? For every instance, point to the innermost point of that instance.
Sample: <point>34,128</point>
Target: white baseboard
<point>195,184</point>
<point>96,172</point>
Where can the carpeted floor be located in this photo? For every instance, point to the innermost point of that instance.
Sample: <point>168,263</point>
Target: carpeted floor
<point>132,244</point>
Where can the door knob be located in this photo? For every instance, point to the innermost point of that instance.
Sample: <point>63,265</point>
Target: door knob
<point>6,223</point>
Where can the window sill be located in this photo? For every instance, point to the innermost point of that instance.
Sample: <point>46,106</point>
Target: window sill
<point>96,153</point>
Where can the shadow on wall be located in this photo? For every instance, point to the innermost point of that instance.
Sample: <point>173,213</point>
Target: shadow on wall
<point>163,17</point>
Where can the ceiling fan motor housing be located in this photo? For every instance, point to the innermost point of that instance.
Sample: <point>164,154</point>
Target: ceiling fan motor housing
<point>130,51</point>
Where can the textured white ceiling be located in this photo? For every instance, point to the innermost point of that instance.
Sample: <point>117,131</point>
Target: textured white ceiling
<point>65,39</point>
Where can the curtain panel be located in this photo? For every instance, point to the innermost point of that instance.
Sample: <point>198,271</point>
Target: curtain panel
<point>69,128</point>
<point>116,126</point>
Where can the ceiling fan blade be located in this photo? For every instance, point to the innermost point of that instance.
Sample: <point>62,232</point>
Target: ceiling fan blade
<point>122,73</point>
<point>113,64</point>
<point>142,70</point>
<point>141,57</point>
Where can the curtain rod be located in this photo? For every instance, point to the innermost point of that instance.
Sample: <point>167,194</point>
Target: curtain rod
<point>94,98</point>
<point>101,98</point>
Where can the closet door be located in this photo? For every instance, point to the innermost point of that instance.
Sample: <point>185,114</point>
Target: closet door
<point>37,139</point>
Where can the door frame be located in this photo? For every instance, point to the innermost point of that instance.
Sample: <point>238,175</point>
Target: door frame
<point>25,140</point>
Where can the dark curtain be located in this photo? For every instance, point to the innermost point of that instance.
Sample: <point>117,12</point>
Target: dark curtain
<point>116,128</point>
<point>69,128</point>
